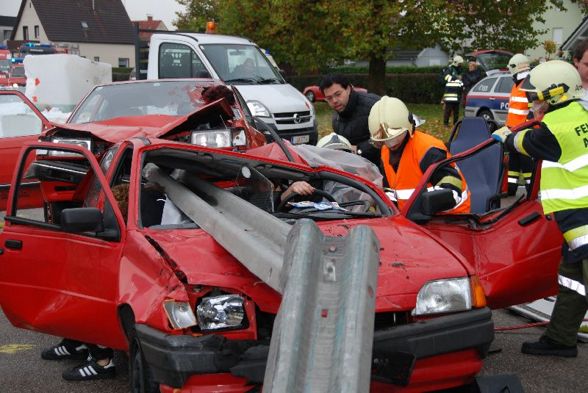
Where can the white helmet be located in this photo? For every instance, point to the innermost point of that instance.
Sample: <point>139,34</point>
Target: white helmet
<point>457,60</point>
<point>334,141</point>
<point>554,81</point>
<point>518,63</point>
<point>390,120</point>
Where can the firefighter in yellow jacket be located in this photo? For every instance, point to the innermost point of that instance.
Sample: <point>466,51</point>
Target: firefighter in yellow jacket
<point>406,153</point>
<point>561,141</point>
<point>519,166</point>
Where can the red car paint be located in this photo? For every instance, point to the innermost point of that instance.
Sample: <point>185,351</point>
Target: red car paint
<point>88,288</point>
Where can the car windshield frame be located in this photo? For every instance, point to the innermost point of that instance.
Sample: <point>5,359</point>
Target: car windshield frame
<point>223,58</point>
<point>161,97</point>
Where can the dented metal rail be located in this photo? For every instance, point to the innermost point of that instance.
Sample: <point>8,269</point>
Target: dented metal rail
<point>323,333</point>
<point>257,239</point>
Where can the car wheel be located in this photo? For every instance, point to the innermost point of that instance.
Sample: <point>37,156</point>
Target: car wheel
<point>310,96</point>
<point>140,374</point>
<point>489,117</point>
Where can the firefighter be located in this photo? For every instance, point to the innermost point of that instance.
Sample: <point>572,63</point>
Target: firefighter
<point>561,141</point>
<point>519,166</point>
<point>453,90</point>
<point>406,153</point>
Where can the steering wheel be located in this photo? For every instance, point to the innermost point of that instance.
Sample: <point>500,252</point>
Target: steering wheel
<point>316,192</point>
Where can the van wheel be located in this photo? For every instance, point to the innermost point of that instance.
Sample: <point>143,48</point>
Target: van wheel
<point>310,96</point>
<point>140,375</point>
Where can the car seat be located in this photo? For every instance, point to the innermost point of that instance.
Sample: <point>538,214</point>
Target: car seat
<point>483,171</point>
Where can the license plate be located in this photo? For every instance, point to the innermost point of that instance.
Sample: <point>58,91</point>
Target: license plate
<point>297,140</point>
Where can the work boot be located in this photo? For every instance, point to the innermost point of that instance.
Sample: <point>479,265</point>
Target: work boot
<point>548,347</point>
<point>66,349</point>
<point>89,371</point>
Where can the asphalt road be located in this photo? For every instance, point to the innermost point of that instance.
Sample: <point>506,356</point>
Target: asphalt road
<point>22,370</point>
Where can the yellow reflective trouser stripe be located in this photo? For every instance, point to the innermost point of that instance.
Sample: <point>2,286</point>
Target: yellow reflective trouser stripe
<point>574,285</point>
<point>518,142</point>
<point>454,181</point>
<point>576,237</point>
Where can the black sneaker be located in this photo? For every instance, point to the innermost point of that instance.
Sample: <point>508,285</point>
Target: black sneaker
<point>66,349</point>
<point>89,371</point>
<point>548,347</point>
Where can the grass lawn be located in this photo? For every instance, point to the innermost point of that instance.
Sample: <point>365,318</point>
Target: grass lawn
<point>433,114</point>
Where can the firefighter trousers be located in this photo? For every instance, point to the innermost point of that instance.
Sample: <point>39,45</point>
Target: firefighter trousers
<point>571,304</point>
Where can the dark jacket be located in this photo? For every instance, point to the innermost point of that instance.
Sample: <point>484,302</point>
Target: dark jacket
<point>470,78</point>
<point>352,123</point>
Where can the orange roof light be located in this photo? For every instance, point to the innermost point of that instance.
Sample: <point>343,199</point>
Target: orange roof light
<point>211,27</point>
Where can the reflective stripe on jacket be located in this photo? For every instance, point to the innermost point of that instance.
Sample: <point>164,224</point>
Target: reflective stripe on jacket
<point>409,173</point>
<point>518,107</point>
<point>453,90</point>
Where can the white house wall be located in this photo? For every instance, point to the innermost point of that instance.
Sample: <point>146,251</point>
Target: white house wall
<point>30,19</point>
<point>108,53</point>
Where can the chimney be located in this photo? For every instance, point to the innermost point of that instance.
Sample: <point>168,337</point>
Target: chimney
<point>149,17</point>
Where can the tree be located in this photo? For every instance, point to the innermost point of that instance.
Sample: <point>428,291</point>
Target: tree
<point>308,35</point>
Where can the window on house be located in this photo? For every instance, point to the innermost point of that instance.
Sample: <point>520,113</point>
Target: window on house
<point>36,31</point>
<point>96,58</point>
<point>123,61</point>
<point>25,33</point>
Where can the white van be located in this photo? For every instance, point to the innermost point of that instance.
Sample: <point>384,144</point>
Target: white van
<point>240,62</point>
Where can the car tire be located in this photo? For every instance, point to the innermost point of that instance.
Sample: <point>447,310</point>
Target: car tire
<point>310,96</point>
<point>489,117</point>
<point>140,375</point>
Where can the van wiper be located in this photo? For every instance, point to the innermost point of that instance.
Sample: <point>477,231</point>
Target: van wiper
<point>267,81</point>
<point>245,80</point>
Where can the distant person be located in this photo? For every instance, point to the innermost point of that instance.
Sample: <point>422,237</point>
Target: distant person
<point>351,113</point>
<point>406,153</point>
<point>580,58</point>
<point>452,91</point>
<point>473,75</point>
<point>520,167</point>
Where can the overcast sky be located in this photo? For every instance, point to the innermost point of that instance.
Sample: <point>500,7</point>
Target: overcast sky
<point>137,9</point>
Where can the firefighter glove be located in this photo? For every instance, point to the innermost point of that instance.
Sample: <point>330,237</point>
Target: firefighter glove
<point>501,134</point>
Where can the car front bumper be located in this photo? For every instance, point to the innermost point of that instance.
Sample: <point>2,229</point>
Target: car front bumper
<point>173,359</point>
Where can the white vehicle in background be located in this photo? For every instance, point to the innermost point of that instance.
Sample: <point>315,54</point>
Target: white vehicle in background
<point>236,61</point>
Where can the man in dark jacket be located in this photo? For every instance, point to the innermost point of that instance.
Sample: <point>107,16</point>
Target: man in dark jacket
<point>472,76</point>
<point>352,110</point>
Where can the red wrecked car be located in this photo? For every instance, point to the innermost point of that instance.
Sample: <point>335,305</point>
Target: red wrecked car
<point>169,109</point>
<point>122,266</point>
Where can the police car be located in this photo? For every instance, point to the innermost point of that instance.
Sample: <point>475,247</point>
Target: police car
<point>489,98</point>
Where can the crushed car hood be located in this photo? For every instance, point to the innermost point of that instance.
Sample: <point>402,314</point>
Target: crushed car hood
<point>409,257</point>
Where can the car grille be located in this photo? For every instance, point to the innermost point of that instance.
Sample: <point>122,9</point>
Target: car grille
<point>292,117</point>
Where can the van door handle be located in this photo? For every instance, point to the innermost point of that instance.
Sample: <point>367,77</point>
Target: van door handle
<point>13,244</point>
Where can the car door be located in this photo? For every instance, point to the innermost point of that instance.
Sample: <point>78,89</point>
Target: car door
<point>56,278</point>
<point>514,249</point>
<point>20,123</point>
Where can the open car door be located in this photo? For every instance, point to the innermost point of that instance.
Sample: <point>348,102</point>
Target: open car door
<point>62,254</point>
<point>512,246</point>
<point>20,123</point>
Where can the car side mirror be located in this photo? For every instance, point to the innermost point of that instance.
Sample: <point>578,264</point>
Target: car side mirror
<point>82,219</point>
<point>437,201</point>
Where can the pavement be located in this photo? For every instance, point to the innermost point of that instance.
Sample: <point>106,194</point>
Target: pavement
<point>23,370</point>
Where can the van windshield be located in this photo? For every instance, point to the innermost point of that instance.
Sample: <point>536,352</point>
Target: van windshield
<point>241,64</point>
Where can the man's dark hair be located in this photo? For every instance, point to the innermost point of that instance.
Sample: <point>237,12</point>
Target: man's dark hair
<point>331,79</point>
<point>579,49</point>
<point>213,93</point>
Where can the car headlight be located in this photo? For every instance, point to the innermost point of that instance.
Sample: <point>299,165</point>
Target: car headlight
<point>258,109</point>
<point>443,296</point>
<point>219,138</point>
<point>221,312</point>
<point>179,314</point>
<point>84,142</point>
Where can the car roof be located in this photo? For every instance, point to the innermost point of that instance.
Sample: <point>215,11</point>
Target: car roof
<point>203,38</point>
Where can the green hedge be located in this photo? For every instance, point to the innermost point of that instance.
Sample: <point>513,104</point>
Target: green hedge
<point>417,88</point>
<point>121,73</point>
